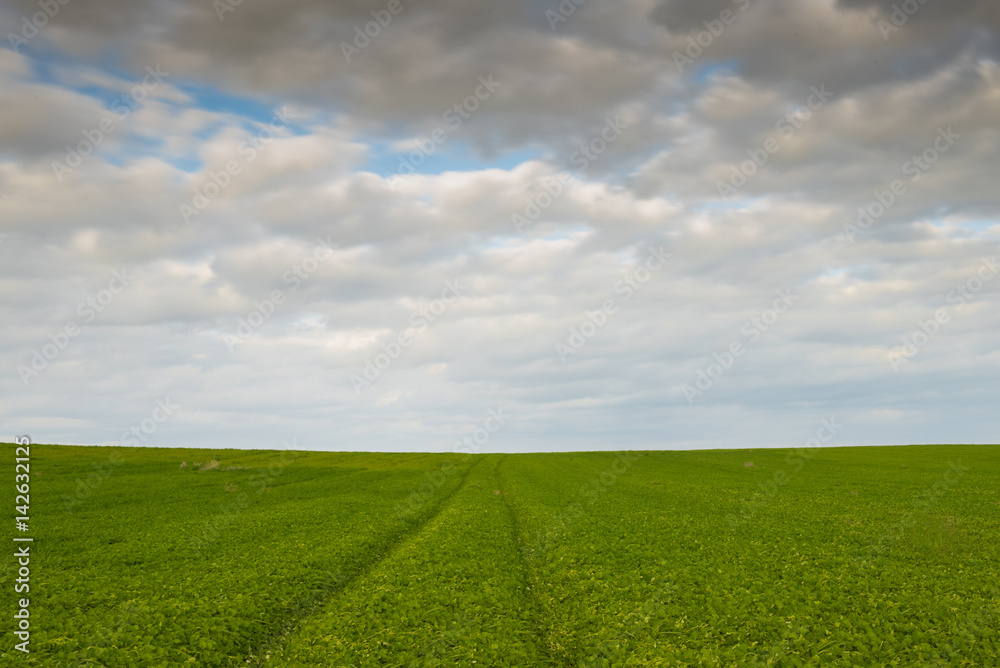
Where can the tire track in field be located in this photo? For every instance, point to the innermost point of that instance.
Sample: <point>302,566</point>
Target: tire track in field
<point>534,604</point>
<point>256,659</point>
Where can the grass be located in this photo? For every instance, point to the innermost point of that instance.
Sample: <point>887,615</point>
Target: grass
<point>824,557</point>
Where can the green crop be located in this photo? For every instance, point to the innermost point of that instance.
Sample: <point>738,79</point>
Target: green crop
<point>825,557</point>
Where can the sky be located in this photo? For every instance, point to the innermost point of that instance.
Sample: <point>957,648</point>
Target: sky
<point>432,225</point>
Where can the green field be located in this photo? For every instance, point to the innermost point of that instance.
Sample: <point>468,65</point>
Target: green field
<point>820,557</point>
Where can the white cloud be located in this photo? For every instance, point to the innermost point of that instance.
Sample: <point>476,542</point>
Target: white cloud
<point>396,243</point>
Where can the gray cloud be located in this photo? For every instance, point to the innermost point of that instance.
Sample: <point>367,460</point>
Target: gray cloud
<point>398,241</point>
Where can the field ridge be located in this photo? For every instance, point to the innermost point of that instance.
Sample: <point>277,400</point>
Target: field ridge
<point>535,603</point>
<point>273,644</point>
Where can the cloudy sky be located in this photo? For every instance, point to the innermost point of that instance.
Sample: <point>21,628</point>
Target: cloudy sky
<point>632,224</point>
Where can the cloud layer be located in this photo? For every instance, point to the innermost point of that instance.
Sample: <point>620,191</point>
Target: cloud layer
<point>659,225</point>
